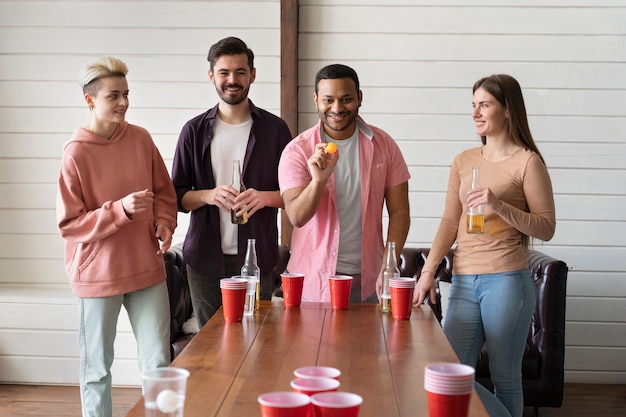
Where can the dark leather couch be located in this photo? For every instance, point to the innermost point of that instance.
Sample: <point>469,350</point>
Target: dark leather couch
<point>180,298</point>
<point>543,363</point>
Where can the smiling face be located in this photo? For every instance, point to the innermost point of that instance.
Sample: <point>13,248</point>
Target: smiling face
<point>489,115</point>
<point>232,78</point>
<point>110,101</point>
<point>337,102</point>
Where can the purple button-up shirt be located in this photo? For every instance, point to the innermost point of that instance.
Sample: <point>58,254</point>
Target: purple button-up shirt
<point>192,170</point>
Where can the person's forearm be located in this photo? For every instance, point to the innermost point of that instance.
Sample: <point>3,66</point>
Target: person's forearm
<point>397,201</point>
<point>301,206</point>
<point>398,230</point>
<point>194,199</point>
<point>274,199</point>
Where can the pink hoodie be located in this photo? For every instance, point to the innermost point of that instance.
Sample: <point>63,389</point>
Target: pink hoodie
<point>106,252</point>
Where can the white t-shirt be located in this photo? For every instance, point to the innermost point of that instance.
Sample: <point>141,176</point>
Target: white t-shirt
<point>348,179</point>
<point>229,144</point>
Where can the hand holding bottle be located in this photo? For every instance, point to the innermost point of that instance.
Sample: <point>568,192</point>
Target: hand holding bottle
<point>236,216</point>
<point>250,201</point>
<point>222,196</point>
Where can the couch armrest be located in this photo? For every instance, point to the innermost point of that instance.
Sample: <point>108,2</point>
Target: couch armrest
<point>179,294</point>
<point>546,337</point>
<point>412,261</point>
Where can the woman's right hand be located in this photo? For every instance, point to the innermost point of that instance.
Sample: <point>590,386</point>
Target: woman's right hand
<point>425,288</point>
<point>137,202</point>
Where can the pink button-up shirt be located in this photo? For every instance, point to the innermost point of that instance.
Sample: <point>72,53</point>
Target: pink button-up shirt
<point>314,246</point>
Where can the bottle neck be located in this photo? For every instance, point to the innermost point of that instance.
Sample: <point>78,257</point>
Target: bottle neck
<point>475,180</point>
<point>237,183</point>
<point>391,255</point>
<point>251,253</point>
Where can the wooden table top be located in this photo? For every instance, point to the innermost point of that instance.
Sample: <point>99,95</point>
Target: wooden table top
<point>381,359</point>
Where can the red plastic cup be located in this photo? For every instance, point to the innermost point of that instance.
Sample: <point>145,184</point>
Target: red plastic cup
<point>336,404</point>
<point>313,371</point>
<point>284,404</point>
<point>233,298</point>
<point>444,405</point>
<point>292,289</point>
<point>450,372</point>
<point>340,286</point>
<point>448,388</point>
<point>401,290</point>
<point>310,386</point>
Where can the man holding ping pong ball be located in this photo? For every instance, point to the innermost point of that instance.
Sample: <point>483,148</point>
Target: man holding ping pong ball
<point>335,179</point>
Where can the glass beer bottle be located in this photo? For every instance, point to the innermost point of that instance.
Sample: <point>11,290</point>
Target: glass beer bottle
<point>238,184</point>
<point>475,217</point>
<point>391,271</point>
<point>250,268</point>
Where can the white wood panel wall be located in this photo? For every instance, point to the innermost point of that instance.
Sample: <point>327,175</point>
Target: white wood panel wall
<point>43,44</point>
<point>417,61</point>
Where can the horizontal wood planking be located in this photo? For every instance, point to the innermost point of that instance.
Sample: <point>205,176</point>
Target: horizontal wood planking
<point>416,80</point>
<point>571,130</point>
<point>65,120</point>
<point>58,344</point>
<point>606,359</point>
<point>462,74</point>
<point>39,370</point>
<point>143,95</point>
<point>596,284</point>
<point>603,334</point>
<point>165,46</point>
<point>503,19</point>
<point>39,338</point>
<point>162,14</point>
<point>416,72</point>
<point>460,47</point>
<point>458,101</point>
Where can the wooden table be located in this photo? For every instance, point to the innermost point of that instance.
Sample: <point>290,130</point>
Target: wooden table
<point>381,359</point>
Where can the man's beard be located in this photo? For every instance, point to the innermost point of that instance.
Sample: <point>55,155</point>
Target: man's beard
<point>230,99</point>
<point>345,123</point>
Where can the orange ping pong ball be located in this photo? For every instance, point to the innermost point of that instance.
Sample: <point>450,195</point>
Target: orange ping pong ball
<point>331,148</point>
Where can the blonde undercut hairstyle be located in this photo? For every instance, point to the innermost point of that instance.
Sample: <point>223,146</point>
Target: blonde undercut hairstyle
<point>99,68</point>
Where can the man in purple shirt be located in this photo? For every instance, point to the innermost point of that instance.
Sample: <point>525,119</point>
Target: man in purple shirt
<point>208,144</point>
<point>335,200</point>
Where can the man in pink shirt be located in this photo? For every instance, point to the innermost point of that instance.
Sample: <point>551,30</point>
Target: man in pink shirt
<point>335,200</point>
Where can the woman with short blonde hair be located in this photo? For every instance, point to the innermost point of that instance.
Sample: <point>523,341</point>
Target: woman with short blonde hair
<point>116,210</point>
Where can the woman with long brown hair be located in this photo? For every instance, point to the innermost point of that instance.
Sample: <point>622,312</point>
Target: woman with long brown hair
<point>492,297</point>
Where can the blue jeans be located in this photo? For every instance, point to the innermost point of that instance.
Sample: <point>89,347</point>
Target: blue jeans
<point>496,309</point>
<point>149,313</point>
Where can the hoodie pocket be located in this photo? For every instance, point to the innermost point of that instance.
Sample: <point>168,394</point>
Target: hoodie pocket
<point>128,253</point>
<point>85,254</point>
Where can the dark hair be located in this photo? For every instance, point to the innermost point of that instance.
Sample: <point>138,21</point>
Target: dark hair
<point>230,46</point>
<point>508,92</point>
<point>335,71</point>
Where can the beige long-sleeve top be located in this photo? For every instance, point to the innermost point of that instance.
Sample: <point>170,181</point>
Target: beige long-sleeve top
<point>523,185</point>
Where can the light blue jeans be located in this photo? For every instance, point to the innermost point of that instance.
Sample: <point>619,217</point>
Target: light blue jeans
<point>149,313</point>
<point>496,309</point>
